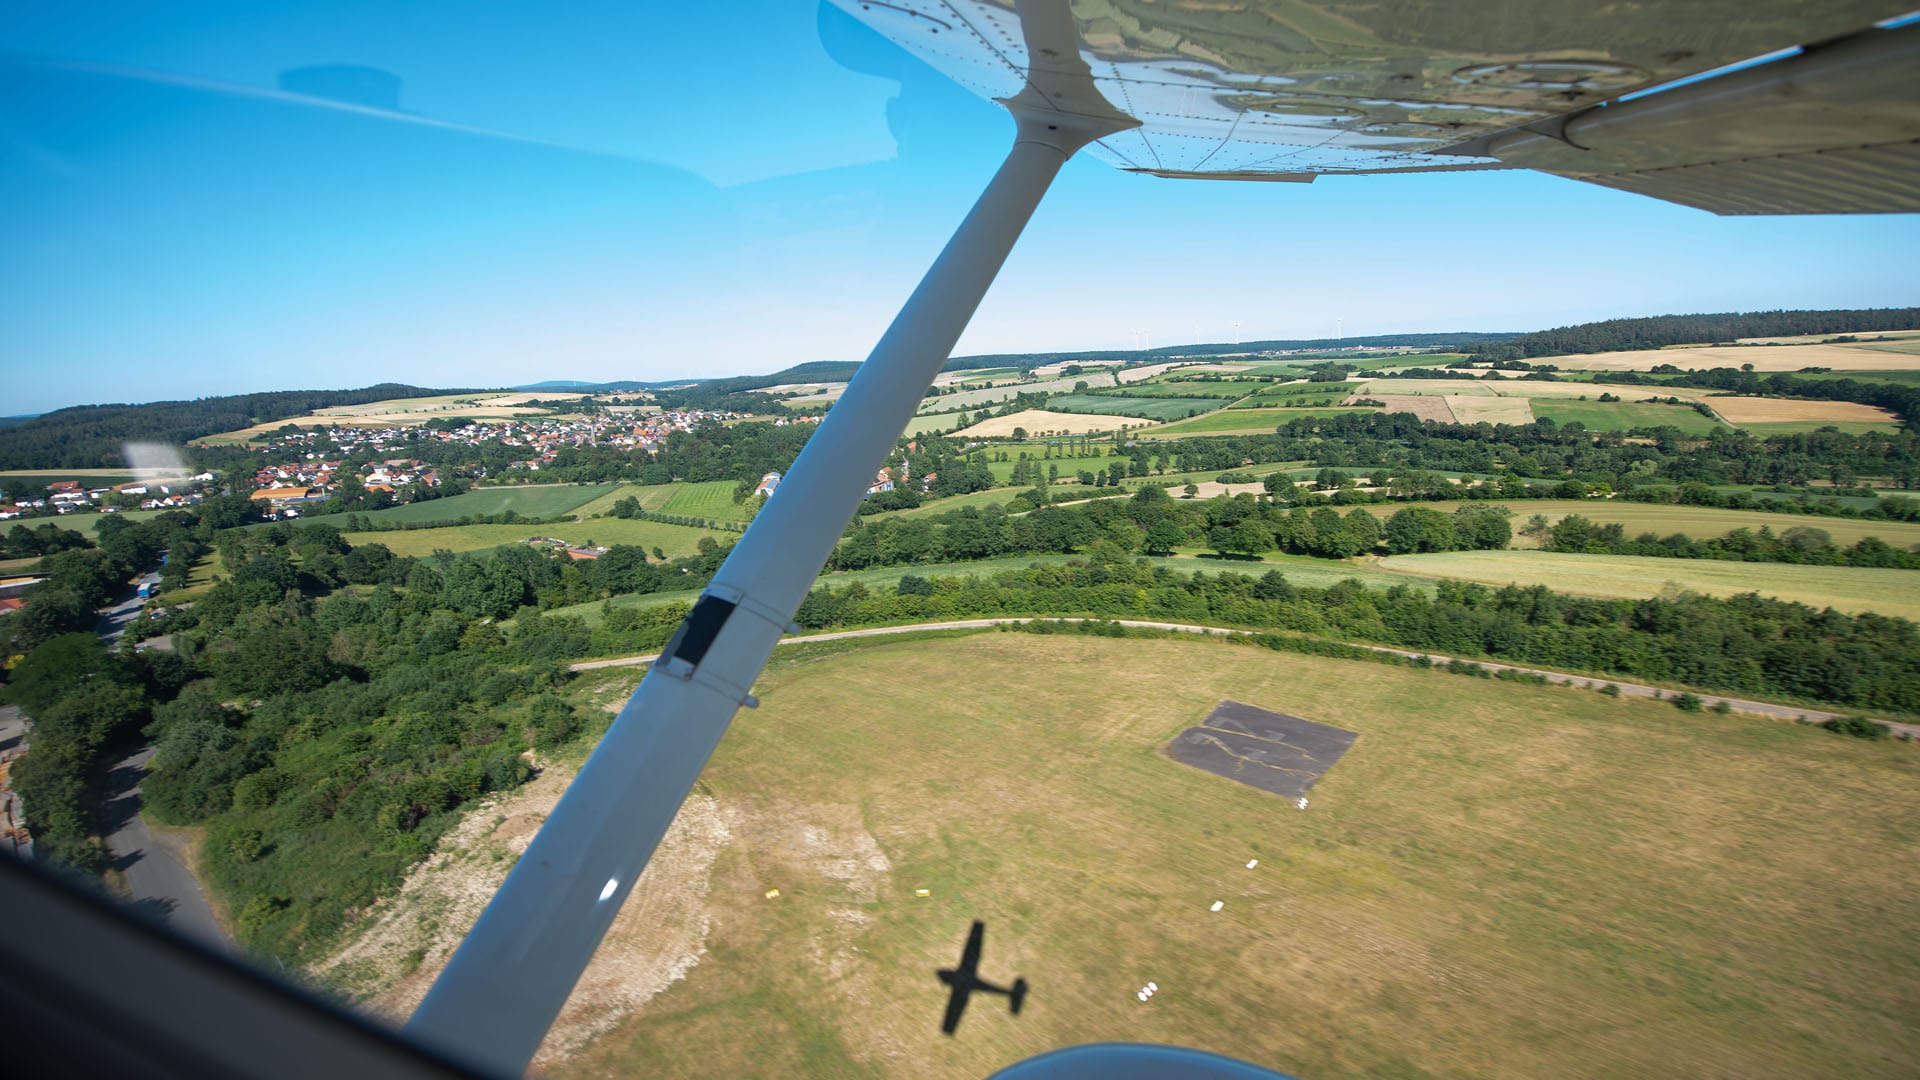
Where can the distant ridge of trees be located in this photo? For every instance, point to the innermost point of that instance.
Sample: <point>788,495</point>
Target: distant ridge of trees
<point>1659,331</point>
<point>1450,339</point>
<point>91,436</point>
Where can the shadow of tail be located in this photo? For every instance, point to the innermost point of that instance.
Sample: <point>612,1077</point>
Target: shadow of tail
<point>1018,995</point>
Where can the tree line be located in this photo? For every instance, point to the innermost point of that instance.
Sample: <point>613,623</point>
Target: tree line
<point>1745,644</point>
<point>93,436</point>
<point>1801,544</point>
<point>1659,331</point>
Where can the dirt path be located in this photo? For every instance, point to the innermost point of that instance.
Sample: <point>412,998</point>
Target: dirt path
<point>1628,689</point>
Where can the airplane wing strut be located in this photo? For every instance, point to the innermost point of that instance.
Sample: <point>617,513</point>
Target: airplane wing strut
<point>508,980</point>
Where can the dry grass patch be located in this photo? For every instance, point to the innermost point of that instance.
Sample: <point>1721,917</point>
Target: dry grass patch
<point>1497,880</point>
<point>658,937</point>
<point>1425,406</point>
<point>1496,410</point>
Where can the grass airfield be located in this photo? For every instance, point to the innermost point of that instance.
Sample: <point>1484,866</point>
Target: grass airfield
<point>1497,880</point>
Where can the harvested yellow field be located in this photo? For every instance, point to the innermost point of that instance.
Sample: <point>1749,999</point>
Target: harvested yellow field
<point>1592,391</point>
<point>1815,339</point>
<point>401,412</point>
<point>1144,373</point>
<point>446,404</point>
<point>1043,422</point>
<point>1851,589</point>
<point>1425,406</point>
<point>1762,357</point>
<point>1490,410</point>
<point>1434,387</point>
<point>1755,410</point>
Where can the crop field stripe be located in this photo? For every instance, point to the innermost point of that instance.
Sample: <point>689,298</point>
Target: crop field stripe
<point>1143,407</point>
<point>706,499</point>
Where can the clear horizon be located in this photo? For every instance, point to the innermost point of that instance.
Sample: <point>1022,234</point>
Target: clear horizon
<point>308,198</point>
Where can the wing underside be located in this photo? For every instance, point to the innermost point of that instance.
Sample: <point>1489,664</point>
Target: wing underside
<point>1292,89</point>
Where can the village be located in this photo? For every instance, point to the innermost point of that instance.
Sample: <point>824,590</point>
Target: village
<point>305,466</point>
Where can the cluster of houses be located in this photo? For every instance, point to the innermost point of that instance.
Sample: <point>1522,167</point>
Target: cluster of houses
<point>315,457</point>
<point>281,490</point>
<point>624,431</point>
<point>543,437</point>
<point>70,496</point>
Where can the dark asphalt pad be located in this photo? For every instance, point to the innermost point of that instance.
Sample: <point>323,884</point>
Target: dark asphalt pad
<point>1267,750</point>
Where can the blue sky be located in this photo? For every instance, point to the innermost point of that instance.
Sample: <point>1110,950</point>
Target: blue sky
<point>602,191</point>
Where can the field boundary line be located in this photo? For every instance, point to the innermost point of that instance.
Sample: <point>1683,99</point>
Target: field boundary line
<point>1559,678</point>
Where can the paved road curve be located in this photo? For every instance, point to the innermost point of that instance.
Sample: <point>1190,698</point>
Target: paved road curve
<point>1757,708</point>
<point>157,877</point>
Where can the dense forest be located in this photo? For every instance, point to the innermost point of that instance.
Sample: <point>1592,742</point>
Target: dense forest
<point>92,436</point>
<point>1616,335</point>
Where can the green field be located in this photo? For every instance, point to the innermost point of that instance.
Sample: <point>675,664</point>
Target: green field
<point>1241,422</point>
<point>1845,588</point>
<point>1321,399</point>
<point>535,501</point>
<point>90,523</point>
<point>1003,470</point>
<point>675,540</point>
<point>710,499</point>
<point>1497,880</point>
<point>649,496</point>
<point>1149,408</point>
<point>1623,415</point>
<point>1169,387</point>
<point>1698,522</point>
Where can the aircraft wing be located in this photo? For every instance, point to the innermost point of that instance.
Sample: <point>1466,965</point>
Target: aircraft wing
<point>956,1004</point>
<point>970,956</point>
<point>1630,96</point>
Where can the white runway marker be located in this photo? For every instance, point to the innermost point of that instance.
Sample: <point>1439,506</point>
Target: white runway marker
<point>1251,863</point>
<point>1217,905</point>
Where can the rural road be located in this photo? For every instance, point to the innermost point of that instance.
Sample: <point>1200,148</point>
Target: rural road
<point>113,620</point>
<point>1627,689</point>
<point>157,878</point>
<point>158,882</point>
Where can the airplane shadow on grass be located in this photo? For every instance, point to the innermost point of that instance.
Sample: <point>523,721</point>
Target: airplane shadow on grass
<point>965,980</point>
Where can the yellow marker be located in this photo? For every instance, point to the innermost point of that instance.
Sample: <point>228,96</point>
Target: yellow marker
<point>773,894</point>
<point>923,892</point>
